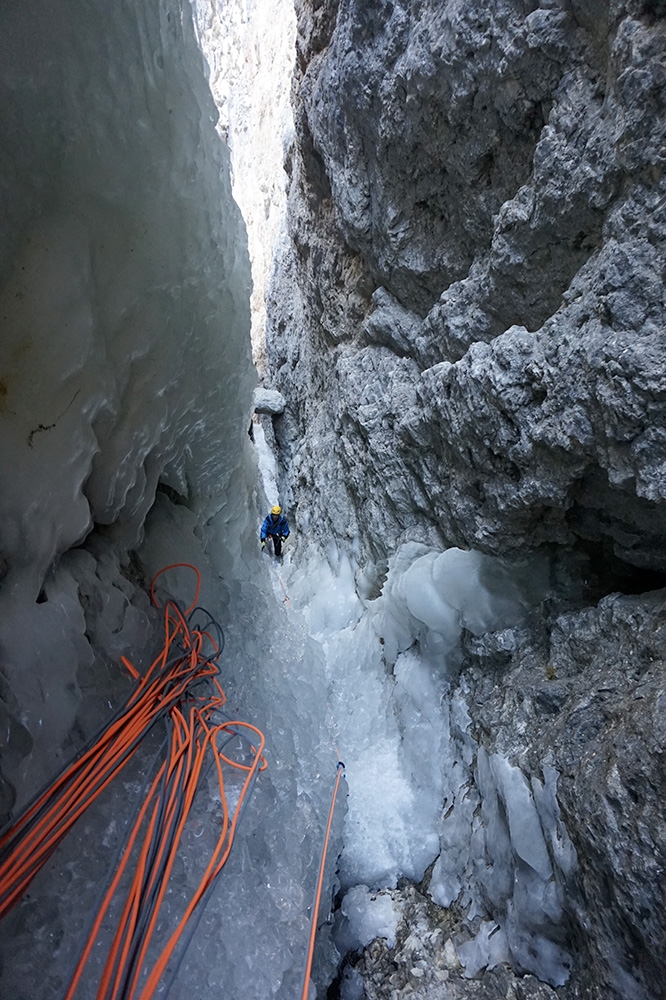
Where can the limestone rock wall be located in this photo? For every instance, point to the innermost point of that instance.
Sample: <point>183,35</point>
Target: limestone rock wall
<point>468,323</point>
<point>583,691</point>
<point>470,308</point>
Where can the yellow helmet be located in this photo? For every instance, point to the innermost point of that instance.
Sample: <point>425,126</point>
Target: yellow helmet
<point>276,509</point>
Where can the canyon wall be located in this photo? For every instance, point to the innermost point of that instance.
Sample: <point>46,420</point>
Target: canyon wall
<point>468,322</point>
<point>249,51</point>
<point>476,265</point>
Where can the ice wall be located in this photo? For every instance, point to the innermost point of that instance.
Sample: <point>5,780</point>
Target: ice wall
<point>422,791</point>
<point>124,284</point>
<point>125,390</point>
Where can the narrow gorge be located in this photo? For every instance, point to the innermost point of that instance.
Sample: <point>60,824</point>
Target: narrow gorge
<point>418,248</point>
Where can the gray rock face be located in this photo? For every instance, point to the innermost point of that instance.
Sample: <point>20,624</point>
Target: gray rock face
<point>578,697</point>
<point>468,321</point>
<point>268,401</point>
<point>585,693</point>
<point>475,272</point>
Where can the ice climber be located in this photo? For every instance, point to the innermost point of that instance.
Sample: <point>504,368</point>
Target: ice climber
<point>275,529</point>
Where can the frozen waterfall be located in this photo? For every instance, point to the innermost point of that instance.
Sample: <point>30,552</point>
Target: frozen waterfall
<point>126,397</point>
<point>422,791</point>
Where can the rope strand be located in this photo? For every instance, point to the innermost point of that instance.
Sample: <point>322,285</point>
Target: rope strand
<point>180,687</point>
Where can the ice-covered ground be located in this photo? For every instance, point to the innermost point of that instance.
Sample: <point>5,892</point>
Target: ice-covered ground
<point>251,942</point>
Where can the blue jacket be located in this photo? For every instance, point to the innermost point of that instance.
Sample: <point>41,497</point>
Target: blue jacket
<point>275,526</point>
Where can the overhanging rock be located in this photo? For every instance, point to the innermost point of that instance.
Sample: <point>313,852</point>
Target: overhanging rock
<point>268,401</point>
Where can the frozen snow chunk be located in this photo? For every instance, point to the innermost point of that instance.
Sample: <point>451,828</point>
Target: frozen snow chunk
<point>516,872</point>
<point>479,587</point>
<point>430,596</point>
<point>532,951</point>
<point>446,882</point>
<point>268,401</point>
<point>370,916</point>
<point>460,717</point>
<point>424,601</point>
<point>496,871</point>
<point>451,871</point>
<point>562,850</point>
<point>488,949</point>
<point>525,830</point>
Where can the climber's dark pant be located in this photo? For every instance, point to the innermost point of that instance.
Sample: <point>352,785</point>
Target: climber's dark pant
<point>277,543</point>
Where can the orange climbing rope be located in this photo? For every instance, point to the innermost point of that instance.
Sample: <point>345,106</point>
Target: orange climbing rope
<point>320,882</point>
<point>286,595</point>
<point>180,689</point>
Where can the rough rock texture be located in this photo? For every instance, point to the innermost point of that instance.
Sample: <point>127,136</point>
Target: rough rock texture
<point>577,695</point>
<point>469,322</point>
<point>584,692</point>
<point>268,401</point>
<point>423,964</point>
<point>475,271</point>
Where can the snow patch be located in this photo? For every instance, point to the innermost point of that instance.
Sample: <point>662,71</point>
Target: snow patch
<point>370,916</point>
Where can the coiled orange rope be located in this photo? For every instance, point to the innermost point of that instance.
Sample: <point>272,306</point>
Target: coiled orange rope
<point>180,688</point>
